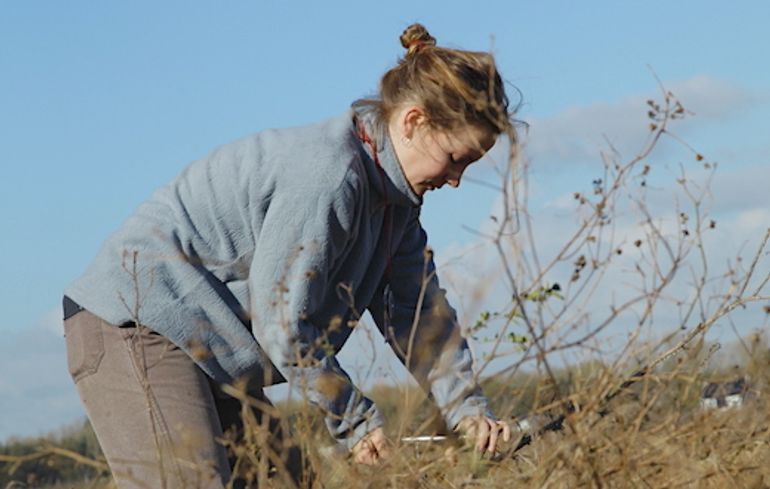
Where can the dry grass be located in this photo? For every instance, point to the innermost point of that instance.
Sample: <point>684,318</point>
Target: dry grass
<point>653,435</point>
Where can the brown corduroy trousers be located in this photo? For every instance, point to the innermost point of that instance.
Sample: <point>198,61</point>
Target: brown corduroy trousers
<point>159,419</point>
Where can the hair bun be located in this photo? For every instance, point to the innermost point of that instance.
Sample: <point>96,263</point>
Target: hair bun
<point>416,37</point>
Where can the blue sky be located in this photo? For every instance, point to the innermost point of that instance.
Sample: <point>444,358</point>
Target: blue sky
<point>101,102</point>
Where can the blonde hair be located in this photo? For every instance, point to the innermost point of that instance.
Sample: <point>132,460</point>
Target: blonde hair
<point>454,87</point>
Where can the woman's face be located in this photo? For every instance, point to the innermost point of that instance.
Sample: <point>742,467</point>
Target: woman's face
<point>431,158</point>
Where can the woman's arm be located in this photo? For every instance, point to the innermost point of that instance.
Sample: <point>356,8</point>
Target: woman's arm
<point>422,329</point>
<point>302,234</point>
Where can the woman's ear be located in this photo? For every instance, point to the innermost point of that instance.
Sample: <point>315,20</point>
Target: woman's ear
<point>412,116</point>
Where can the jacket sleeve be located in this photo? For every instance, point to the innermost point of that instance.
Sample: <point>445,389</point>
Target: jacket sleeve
<point>303,233</point>
<point>421,327</point>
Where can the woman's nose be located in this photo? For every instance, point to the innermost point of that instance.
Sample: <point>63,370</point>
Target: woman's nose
<point>453,178</point>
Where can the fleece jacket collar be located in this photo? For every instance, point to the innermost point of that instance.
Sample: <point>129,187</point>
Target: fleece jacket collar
<point>396,186</point>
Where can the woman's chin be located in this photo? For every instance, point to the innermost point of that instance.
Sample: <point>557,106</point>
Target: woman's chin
<point>425,187</point>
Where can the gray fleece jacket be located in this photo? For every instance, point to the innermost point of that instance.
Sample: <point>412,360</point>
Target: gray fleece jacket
<point>259,259</point>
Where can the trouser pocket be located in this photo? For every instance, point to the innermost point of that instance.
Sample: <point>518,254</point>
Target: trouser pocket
<point>85,344</point>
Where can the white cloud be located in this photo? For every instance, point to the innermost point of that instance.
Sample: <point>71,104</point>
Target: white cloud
<point>752,221</point>
<point>52,322</point>
<point>577,134</point>
<point>743,187</point>
<point>709,97</point>
<point>36,392</point>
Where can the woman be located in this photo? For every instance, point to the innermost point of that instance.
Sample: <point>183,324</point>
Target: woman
<point>252,266</point>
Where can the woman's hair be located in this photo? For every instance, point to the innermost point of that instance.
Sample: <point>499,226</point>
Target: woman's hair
<point>454,87</point>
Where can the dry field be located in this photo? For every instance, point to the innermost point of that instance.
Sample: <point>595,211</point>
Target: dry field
<point>653,434</point>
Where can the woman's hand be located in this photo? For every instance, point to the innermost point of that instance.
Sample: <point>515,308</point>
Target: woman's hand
<point>484,431</point>
<point>372,449</point>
